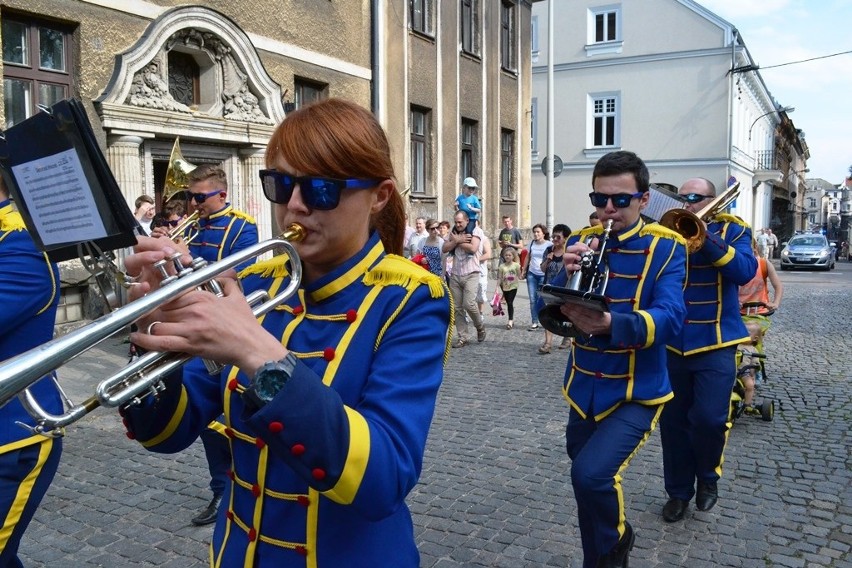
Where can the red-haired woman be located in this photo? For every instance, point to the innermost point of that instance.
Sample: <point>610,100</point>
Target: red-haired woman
<point>327,421</point>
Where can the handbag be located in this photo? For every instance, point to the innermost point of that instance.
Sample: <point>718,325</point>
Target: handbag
<point>497,304</point>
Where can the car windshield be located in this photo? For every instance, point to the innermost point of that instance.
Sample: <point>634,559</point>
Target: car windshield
<point>807,242</point>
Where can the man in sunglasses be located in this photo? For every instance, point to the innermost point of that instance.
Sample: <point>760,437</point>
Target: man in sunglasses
<point>222,231</point>
<point>702,359</point>
<point>616,381</point>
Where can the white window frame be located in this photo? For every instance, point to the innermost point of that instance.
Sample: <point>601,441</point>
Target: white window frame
<point>534,128</point>
<point>595,47</point>
<point>534,42</point>
<point>428,7</point>
<point>606,98</point>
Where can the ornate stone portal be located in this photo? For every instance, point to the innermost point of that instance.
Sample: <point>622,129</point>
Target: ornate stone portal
<point>233,104</point>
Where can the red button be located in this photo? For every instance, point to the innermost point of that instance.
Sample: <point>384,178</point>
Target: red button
<point>232,384</point>
<point>259,443</point>
<point>297,449</point>
<point>130,435</point>
<point>298,310</point>
<point>351,316</point>
<point>302,550</point>
<point>303,500</point>
<point>230,515</point>
<point>318,473</point>
<point>255,490</point>
<point>275,427</point>
<point>252,535</point>
<point>328,353</point>
<point>229,432</point>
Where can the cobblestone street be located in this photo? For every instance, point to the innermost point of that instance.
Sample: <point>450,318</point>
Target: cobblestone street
<point>495,489</point>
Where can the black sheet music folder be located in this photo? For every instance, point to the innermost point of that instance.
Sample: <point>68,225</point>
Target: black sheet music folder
<point>62,185</point>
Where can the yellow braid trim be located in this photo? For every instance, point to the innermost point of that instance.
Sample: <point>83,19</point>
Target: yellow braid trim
<point>728,218</point>
<point>245,216</point>
<point>12,221</point>
<point>276,267</point>
<point>399,271</point>
<point>659,231</point>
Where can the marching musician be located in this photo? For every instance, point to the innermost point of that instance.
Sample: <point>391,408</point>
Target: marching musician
<point>702,359</point>
<point>616,381</point>
<point>29,296</point>
<point>328,398</point>
<point>221,231</point>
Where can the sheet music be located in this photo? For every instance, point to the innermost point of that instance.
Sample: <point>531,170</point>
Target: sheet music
<point>660,202</point>
<point>59,199</point>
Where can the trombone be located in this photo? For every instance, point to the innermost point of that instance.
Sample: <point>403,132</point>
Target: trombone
<point>690,225</point>
<point>176,186</point>
<point>145,375</point>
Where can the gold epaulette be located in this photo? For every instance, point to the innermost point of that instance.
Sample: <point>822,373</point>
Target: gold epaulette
<point>276,267</point>
<point>728,218</point>
<point>12,221</point>
<point>588,231</point>
<point>399,271</point>
<point>659,231</point>
<point>245,216</point>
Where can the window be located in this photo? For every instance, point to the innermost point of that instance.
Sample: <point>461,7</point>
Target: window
<point>421,16</point>
<point>468,148</point>
<point>604,121</point>
<point>36,64</point>
<point>534,39</point>
<point>605,26</point>
<point>534,127</point>
<point>470,26</point>
<point>604,30</point>
<point>507,166</point>
<point>420,150</point>
<point>507,35</point>
<point>184,78</point>
<point>308,91</point>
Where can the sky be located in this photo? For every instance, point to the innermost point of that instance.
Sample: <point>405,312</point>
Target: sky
<point>776,32</point>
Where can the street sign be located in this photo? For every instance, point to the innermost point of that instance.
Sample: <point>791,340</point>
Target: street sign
<point>557,166</point>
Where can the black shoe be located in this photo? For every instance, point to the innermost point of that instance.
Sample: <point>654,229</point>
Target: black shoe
<point>674,509</point>
<point>620,553</point>
<point>208,515</point>
<point>706,496</point>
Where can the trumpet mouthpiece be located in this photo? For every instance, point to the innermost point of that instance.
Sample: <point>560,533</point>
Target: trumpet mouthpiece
<point>294,233</point>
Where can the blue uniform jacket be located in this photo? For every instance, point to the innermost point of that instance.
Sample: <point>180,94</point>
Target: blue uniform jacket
<point>321,472</point>
<point>647,270</point>
<point>29,296</point>
<point>716,271</point>
<point>223,233</point>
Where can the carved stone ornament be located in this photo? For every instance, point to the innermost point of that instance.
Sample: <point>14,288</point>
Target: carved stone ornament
<point>150,90</point>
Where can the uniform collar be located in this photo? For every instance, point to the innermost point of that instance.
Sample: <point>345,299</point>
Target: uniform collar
<point>221,212</point>
<point>631,231</point>
<point>348,272</point>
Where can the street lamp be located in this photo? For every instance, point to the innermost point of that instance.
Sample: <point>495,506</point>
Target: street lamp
<point>778,110</point>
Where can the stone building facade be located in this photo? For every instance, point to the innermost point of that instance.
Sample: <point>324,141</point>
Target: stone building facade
<point>450,81</point>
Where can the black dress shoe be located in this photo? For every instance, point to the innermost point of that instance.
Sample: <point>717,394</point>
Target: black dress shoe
<point>706,495</point>
<point>208,515</point>
<point>674,509</point>
<point>620,553</point>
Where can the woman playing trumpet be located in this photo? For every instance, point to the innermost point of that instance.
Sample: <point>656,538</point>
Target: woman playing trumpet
<point>327,421</point>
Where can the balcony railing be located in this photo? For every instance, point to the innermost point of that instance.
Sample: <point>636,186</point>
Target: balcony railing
<point>765,160</point>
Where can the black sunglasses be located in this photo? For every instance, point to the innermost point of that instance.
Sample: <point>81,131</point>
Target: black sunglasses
<point>620,200</point>
<point>695,197</point>
<point>202,197</point>
<point>317,192</point>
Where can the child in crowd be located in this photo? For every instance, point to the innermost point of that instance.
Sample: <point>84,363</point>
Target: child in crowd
<point>510,273</point>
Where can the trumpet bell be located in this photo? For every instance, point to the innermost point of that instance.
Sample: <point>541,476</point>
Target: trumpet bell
<point>177,174</point>
<point>690,225</point>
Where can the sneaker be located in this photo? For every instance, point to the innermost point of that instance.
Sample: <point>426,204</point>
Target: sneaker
<point>480,334</point>
<point>534,326</point>
<point>459,342</point>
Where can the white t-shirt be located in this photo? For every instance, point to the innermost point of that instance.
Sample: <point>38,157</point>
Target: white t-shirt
<point>536,256</point>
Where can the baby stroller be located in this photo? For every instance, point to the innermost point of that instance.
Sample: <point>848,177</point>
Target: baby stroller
<point>751,368</point>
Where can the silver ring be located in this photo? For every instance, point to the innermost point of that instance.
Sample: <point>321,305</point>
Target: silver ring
<point>151,327</point>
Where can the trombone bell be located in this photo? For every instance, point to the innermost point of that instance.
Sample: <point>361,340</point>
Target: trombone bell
<point>177,175</point>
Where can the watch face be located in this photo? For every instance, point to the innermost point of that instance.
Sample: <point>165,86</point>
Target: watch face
<point>269,381</point>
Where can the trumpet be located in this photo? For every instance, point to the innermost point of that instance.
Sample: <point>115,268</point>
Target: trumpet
<point>690,225</point>
<point>144,376</point>
<point>586,287</point>
<point>190,222</point>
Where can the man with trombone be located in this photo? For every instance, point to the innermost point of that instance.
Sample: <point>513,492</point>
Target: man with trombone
<point>702,359</point>
<point>29,296</point>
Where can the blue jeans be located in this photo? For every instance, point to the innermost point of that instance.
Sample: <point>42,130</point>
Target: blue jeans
<point>534,282</point>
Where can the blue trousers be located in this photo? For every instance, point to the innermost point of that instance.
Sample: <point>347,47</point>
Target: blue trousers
<point>600,452</point>
<point>534,282</point>
<point>694,426</point>
<point>25,475</point>
<point>217,449</point>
